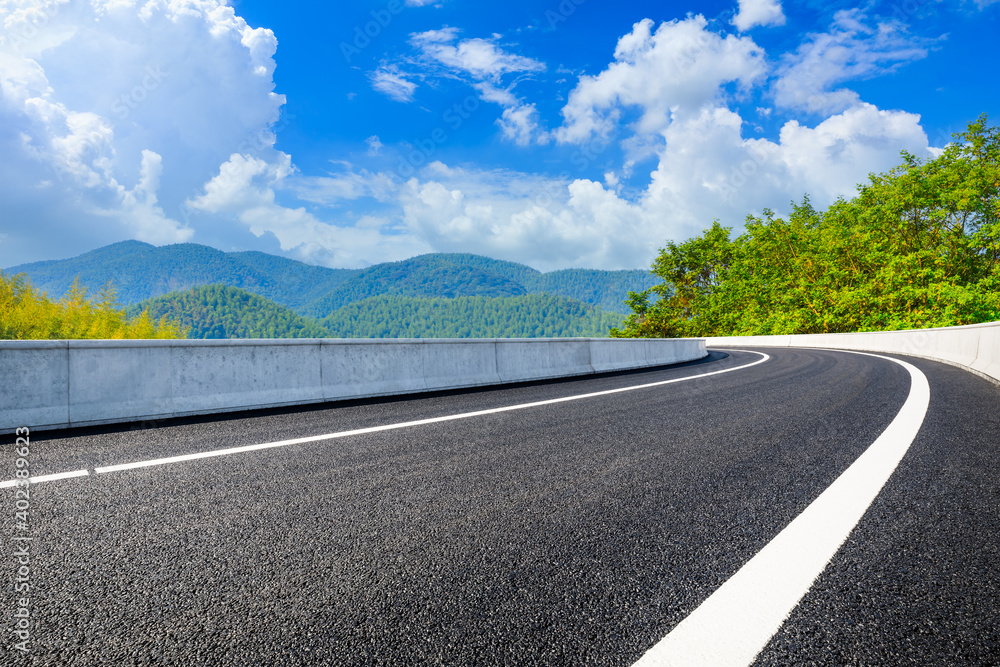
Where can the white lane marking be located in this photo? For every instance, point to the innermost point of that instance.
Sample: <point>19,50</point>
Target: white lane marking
<point>46,478</point>
<point>402,425</point>
<point>738,620</point>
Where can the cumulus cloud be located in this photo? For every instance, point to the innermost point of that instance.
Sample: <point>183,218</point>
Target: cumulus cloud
<point>246,188</point>
<point>706,170</point>
<point>753,13</point>
<point>676,78</point>
<point>116,111</point>
<point>158,122</point>
<point>854,48</point>
<point>519,124</point>
<point>141,207</point>
<point>547,222</point>
<point>681,66</point>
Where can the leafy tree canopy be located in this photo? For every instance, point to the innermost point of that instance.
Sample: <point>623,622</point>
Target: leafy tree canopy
<point>919,246</point>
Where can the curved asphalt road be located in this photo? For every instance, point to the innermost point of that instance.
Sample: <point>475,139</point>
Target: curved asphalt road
<point>579,532</point>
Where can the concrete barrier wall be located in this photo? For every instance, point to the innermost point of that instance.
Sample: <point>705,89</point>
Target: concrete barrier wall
<point>58,384</point>
<point>975,347</point>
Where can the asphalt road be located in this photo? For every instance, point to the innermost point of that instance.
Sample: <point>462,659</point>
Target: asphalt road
<point>578,532</point>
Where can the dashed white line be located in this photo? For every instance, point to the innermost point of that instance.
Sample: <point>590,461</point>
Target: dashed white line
<point>377,429</point>
<point>736,622</point>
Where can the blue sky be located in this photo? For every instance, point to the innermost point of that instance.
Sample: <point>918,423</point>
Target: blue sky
<point>563,133</point>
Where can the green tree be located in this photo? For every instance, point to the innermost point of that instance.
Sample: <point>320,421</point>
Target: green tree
<point>919,246</point>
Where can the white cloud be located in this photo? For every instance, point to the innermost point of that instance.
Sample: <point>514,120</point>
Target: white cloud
<point>679,68</point>
<point>141,207</point>
<point>114,128</point>
<point>755,13</point>
<point>97,95</point>
<point>243,182</point>
<point>502,96</point>
<point>851,50</point>
<point>348,184</point>
<point>706,170</point>
<point>390,81</point>
<point>443,36</point>
<point>520,124</point>
<point>479,58</point>
<point>483,63</point>
<point>519,121</point>
<point>246,189</point>
<point>676,78</point>
<point>545,222</point>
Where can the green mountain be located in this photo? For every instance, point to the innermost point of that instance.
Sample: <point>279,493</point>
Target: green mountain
<point>220,311</point>
<point>140,271</point>
<point>526,316</point>
<point>607,289</point>
<point>426,276</point>
<point>297,284</point>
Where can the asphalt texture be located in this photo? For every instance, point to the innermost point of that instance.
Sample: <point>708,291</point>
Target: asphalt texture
<point>567,534</point>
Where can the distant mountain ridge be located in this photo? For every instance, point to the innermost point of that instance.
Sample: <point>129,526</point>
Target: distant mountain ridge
<point>140,271</point>
<point>220,311</point>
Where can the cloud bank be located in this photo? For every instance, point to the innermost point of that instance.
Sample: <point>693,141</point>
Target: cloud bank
<point>158,121</point>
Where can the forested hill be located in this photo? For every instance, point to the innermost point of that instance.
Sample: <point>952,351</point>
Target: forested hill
<point>139,271</point>
<point>528,316</point>
<point>219,311</point>
<point>426,276</point>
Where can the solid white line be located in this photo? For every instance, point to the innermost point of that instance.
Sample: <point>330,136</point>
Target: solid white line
<point>402,425</point>
<point>46,478</point>
<point>738,620</point>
